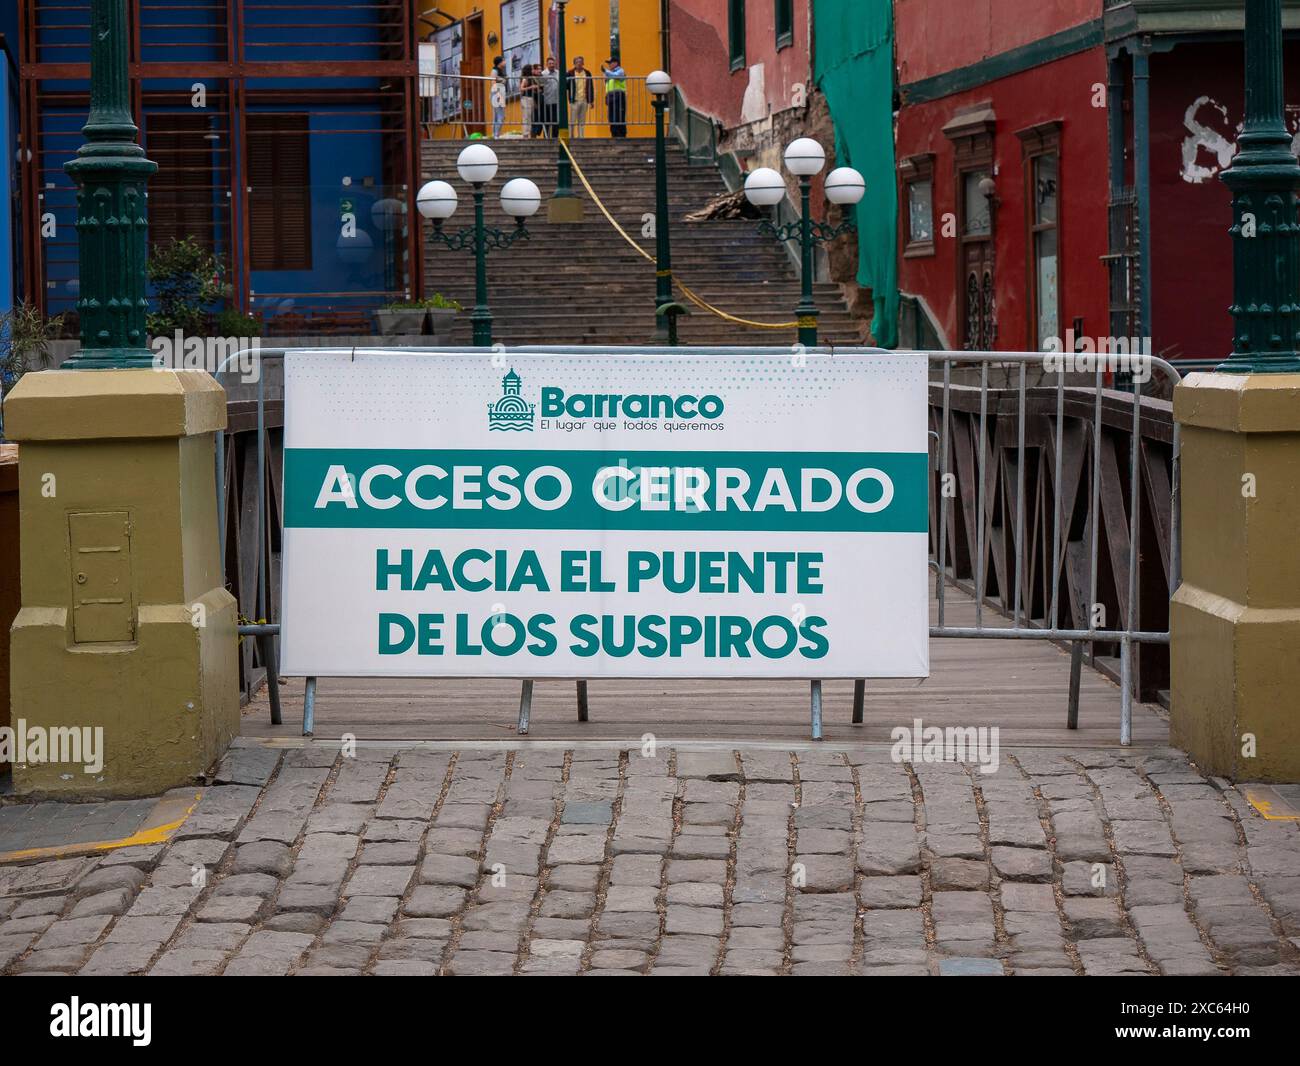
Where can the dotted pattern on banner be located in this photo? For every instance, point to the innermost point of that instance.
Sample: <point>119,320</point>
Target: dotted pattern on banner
<point>426,389</point>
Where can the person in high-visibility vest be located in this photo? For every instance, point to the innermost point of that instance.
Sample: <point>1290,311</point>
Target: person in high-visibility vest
<point>615,96</point>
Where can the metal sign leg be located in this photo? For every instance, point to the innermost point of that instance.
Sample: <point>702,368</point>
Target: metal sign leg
<point>817,710</point>
<point>266,646</point>
<point>525,707</point>
<point>1076,670</point>
<point>859,700</point>
<point>582,701</point>
<point>1126,691</point>
<point>309,708</point>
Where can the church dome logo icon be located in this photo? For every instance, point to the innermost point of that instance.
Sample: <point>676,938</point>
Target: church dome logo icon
<point>512,412</point>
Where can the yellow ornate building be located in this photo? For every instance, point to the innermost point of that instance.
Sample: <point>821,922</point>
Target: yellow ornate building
<point>459,40</point>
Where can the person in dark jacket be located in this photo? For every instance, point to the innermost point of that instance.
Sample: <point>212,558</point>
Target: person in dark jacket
<point>582,94</point>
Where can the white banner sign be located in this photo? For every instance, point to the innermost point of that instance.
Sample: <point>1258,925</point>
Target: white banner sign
<point>521,37</point>
<point>665,514</point>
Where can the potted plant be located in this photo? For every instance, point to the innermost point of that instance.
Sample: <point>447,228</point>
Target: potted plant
<point>442,312</point>
<point>401,319</point>
<point>413,316</point>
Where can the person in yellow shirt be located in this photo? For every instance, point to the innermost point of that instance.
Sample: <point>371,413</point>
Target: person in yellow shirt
<point>582,94</point>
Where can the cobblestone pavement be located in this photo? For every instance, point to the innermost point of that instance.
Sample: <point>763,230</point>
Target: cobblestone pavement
<point>542,860</point>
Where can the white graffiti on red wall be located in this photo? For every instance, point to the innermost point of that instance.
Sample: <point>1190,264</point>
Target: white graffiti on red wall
<point>1211,139</point>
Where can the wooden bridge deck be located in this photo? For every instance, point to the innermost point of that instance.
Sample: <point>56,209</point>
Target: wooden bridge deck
<point>1020,686</point>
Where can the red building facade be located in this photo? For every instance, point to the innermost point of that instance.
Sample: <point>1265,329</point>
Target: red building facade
<point>1180,283</point>
<point>1059,171</point>
<point>740,61</point>
<point>1057,165</point>
<point>1001,146</point>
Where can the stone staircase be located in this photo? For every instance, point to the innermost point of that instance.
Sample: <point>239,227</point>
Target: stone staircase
<point>581,283</point>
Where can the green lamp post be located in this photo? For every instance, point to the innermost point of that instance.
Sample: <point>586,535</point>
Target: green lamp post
<point>436,201</point>
<point>1264,178</point>
<point>659,84</point>
<point>111,173</point>
<point>564,205</point>
<point>764,187</point>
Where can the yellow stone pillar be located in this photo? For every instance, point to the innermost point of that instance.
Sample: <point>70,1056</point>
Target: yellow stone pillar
<point>1235,619</point>
<point>125,624</point>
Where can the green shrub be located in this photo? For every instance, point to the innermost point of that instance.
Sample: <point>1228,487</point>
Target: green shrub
<point>237,324</point>
<point>187,279</point>
<point>25,336</point>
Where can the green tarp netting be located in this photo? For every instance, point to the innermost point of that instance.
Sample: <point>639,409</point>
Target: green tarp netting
<point>854,67</point>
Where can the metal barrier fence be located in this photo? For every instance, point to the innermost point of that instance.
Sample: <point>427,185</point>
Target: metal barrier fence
<point>464,105</point>
<point>1073,432</point>
<point>993,415</point>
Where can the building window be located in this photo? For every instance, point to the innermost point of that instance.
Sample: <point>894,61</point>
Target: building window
<point>784,19</point>
<point>920,212</point>
<point>1041,146</point>
<point>977,206</point>
<point>279,198</point>
<point>917,174</point>
<point>971,134</point>
<point>1047,298</point>
<point>736,32</point>
<point>181,194</point>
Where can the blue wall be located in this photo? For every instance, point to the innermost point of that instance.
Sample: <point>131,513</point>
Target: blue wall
<point>179,31</point>
<point>353,266</point>
<point>274,34</point>
<point>61,137</point>
<point>345,141</point>
<point>10,228</point>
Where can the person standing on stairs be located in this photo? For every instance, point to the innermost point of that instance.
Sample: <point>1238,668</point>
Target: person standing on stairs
<point>615,96</point>
<point>527,99</point>
<point>582,94</point>
<point>550,98</point>
<point>498,93</point>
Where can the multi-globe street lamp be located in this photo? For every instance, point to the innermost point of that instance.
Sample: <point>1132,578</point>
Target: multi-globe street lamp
<point>437,200</point>
<point>660,84</point>
<point>765,187</point>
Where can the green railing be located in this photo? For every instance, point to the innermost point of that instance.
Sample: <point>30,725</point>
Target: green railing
<point>696,133</point>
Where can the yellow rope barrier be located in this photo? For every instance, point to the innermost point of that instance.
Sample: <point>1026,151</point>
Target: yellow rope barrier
<point>699,301</point>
